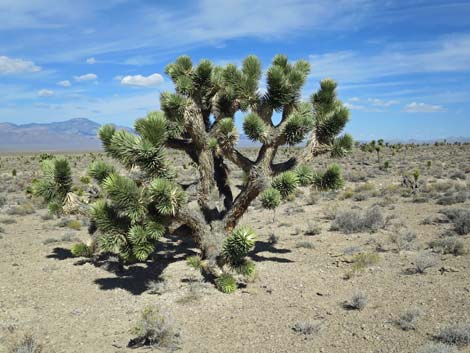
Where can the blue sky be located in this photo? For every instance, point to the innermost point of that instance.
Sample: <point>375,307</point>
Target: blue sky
<point>403,67</point>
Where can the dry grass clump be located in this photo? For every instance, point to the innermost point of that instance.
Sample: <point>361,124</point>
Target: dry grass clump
<point>407,320</point>
<point>357,302</point>
<point>353,222</point>
<point>27,345</point>
<point>448,245</point>
<point>438,348</point>
<point>155,328</point>
<point>425,260</point>
<point>307,328</point>
<point>458,334</point>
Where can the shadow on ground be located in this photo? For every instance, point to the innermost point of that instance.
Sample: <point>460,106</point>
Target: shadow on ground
<point>264,246</point>
<point>134,278</point>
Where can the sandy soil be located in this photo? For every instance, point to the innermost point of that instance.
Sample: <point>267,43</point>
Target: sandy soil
<point>73,306</point>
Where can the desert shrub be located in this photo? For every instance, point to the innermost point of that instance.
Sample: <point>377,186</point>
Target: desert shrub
<point>425,260</point>
<point>312,229</point>
<point>312,198</point>
<point>403,241</point>
<point>84,179</point>
<point>155,328</point>
<point>304,245</point>
<point>366,187</point>
<point>27,345</point>
<point>449,245</point>
<point>458,334</point>
<point>21,210</point>
<point>195,262</point>
<point>307,327</point>
<point>458,197</point>
<point>407,320</point>
<point>157,287</point>
<point>3,200</point>
<point>354,222</point>
<point>74,224</point>
<point>458,175</point>
<point>357,302</point>
<point>462,223</point>
<point>438,348</point>
<point>8,221</point>
<point>81,250</point>
<point>363,260</point>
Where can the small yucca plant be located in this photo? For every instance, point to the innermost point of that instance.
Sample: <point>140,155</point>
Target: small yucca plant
<point>55,184</point>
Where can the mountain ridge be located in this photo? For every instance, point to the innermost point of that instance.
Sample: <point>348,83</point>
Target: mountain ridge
<point>81,134</point>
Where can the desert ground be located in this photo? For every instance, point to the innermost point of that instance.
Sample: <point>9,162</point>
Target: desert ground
<point>396,283</point>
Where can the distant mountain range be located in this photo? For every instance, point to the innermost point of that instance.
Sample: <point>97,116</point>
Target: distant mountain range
<point>71,135</point>
<point>81,135</point>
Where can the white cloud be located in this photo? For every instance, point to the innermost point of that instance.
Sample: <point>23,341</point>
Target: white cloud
<point>86,77</point>
<point>64,83</point>
<point>142,81</point>
<point>17,66</point>
<point>415,107</point>
<point>351,106</point>
<point>381,103</point>
<point>447,54</point>
<point>90,60</point>
<point>354,99</point>
<point>45,93</point>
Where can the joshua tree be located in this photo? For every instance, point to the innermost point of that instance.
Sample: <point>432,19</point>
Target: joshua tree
<point>55,185</point>
<point>198,119</point>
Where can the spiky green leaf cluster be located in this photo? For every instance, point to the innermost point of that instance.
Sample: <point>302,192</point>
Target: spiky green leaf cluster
<point>331,115</point>
<point>100,170</point>
<point>331,179</point>
<point>254,127</point>
<point>297,127</point>
<point>166,195</point>
<point>120,235</point>
<point>226,283</point>
<point>126,197</point>
<point>286,183</point>
<point>195,262</point>
<point>55,183</point>
<point>305,175</point>
<point>246,268</point>
<point>342,145</point>
<point>270,198</point>
<point>238,244</point>
<point>285,81</point>
<point>227,134</point>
